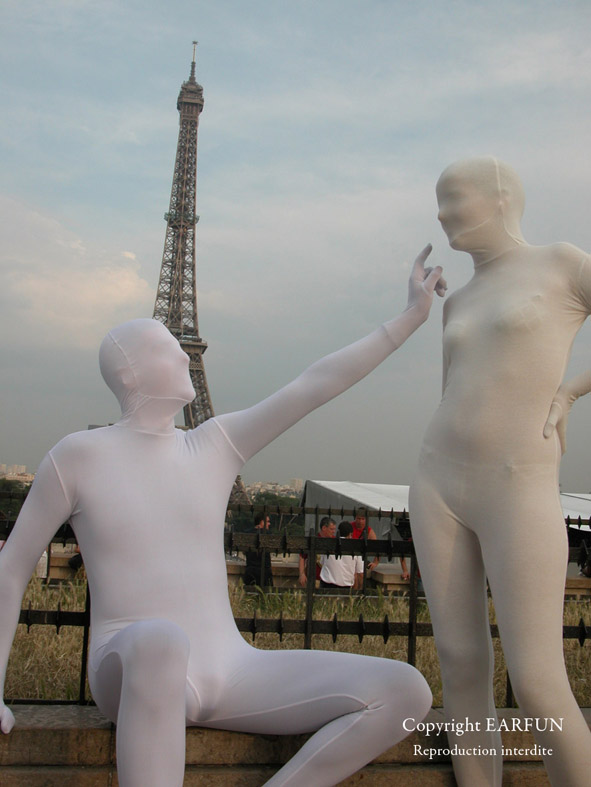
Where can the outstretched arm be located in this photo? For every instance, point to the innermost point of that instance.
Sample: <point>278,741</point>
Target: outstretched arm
<point>44,510</point>
<point>252,429</point>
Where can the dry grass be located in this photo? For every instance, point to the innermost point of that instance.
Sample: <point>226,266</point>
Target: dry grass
<point>578,659</point>
<point>45,665</point>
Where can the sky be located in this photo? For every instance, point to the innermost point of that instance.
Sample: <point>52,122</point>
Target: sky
<point>326,125</point>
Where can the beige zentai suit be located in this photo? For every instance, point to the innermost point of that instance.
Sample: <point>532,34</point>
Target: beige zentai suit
<point>485,500</point>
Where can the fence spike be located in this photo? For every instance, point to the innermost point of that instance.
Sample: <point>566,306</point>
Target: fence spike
<point>386,633</point>
<point>335,627</point>
<point>361,628</point>
<point>280,626</point>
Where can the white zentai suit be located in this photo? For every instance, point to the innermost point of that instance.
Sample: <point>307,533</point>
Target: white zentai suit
<point>485,499</point>
<point>147,503</point>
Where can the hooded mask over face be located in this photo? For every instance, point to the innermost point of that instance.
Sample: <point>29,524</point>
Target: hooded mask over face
<point>145,367</point>
<point>481,202</point>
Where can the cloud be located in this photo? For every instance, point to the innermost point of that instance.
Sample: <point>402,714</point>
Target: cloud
<point>325,128</point>
<point>546,59</point>
<point>347,249</point>
<point>57,290</point>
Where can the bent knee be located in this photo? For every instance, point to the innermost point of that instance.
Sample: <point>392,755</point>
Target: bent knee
<point>406,692</point>
<point>417,696</point>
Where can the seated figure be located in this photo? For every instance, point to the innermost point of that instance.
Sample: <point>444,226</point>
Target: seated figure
<point>147,503</point>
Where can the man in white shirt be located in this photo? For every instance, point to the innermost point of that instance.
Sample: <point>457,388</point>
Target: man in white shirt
<point>345,571</point>
<point>327,529</point>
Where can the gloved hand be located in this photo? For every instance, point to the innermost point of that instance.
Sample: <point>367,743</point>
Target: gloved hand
<point>422,283</point>
<point>6,718</point>
<point>563,400</point>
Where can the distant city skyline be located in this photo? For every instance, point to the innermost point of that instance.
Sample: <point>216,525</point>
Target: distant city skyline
<point>325,128</point>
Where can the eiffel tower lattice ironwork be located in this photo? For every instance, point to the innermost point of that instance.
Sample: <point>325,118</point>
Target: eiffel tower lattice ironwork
<point>176,297</point>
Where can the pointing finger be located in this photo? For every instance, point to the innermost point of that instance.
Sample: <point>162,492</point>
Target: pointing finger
<point>418,267</point>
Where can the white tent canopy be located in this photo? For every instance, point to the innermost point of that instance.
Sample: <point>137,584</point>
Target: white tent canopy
<point>393,497</point>
<point>576,505</point>
<point>339,495</point>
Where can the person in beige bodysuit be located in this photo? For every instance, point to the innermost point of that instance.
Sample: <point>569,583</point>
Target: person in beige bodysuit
<point>485,501</point>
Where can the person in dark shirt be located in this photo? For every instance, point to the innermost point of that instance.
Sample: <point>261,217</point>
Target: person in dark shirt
<point>254,558</point>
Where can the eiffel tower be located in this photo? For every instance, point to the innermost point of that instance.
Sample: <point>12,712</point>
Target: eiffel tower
<point>176,297</point>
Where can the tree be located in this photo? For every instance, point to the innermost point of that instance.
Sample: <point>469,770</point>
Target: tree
<point>12,495</point>
<point>291,523</point>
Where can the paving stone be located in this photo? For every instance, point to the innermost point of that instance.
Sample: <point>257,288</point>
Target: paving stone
<point>57,735</point>
<point>55,777</point>
<point>218,747</point>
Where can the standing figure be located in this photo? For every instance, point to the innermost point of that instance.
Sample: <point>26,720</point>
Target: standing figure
<point>344,571</point>
<point>327,529</point>
<point>359,525</point>
<point>485,500</point>
<point>147,503</point>
<point>258,569</point>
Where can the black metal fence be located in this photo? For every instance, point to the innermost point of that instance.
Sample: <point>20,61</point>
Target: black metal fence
<point>281,543</point>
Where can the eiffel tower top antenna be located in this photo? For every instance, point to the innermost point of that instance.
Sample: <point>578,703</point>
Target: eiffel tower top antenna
<point>192,77</point>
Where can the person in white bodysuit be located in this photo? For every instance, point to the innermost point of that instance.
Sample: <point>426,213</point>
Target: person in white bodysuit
<point>147,503</point>
<point>485,499</point>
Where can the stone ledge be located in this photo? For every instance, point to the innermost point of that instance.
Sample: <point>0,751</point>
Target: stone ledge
<point>514,775</point>
<point>72,745</point>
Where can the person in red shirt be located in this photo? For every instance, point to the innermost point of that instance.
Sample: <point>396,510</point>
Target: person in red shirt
<point>359,526</point>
